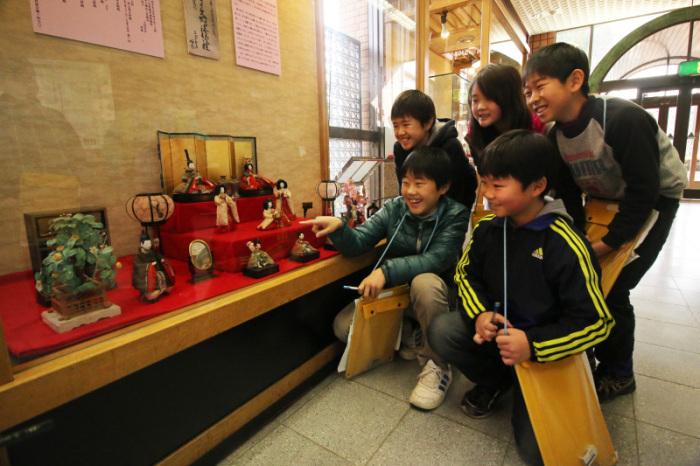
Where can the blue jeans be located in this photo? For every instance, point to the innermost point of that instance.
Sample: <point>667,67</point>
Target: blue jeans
<point>452,338</point>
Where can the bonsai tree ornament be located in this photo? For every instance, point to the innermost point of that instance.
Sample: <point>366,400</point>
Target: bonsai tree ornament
<point>77,273</point>
<point>80,258</point>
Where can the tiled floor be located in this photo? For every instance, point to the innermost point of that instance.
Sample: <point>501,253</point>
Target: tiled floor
<point>369,421</point>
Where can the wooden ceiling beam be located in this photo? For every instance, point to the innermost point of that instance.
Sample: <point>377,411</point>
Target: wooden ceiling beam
<point>511,24</point>
<point>439,6</point>
<point>457,31</point>
<point>462,15</point>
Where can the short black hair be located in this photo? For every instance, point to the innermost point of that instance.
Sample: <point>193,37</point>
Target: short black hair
<point>429,162</point>
<point>558,61</point>
<point>522,154</point>
<point>416,104</point>
<point>279,184</point>
<point>268,202</point>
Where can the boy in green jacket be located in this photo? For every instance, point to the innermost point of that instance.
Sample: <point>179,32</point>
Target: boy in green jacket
<point>425,231</point>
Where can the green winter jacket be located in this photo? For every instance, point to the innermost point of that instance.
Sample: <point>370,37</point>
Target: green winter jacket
<point>407,255</point>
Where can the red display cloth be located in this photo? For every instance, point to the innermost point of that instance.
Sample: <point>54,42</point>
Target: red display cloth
<point>202,215</point>
<point>230,251</point>
<point>27,335</point>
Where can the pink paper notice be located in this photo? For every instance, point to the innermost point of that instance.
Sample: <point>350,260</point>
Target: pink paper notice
<point>256,33</point>
<point>132,25</point>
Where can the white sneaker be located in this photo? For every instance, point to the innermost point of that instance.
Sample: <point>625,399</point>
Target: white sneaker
<point>432,386</point>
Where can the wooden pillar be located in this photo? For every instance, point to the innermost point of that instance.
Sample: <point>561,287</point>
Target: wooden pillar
<point>422,47</point>
<point>5,367</point>
<point>5,377</point>
<point>485,32</point>
<point>680,135</point>
<point>323,132</point>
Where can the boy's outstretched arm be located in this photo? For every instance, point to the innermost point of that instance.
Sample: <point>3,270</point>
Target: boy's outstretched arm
<point>323,225</point>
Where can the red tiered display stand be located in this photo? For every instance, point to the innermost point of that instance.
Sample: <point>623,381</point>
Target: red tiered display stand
<point>27,335</point>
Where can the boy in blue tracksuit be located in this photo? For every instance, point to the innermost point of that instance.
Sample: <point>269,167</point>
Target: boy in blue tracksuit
<point>425,231</point>
<point>550,286</point>
<point>614,150</point>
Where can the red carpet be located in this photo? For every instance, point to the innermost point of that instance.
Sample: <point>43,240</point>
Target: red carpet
<point>28,335</point>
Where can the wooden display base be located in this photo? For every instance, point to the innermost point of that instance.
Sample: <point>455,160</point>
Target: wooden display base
<point>54,320</point>
<point>255,192</point>
<point>190,198</point>
<point>201,276</point>
<point>305,257</point>
<point>263,272</point>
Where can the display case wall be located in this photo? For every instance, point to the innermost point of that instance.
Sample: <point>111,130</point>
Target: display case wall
<point>79,122</point>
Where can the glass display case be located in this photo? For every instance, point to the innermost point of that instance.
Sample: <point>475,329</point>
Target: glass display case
<point>450,93</point>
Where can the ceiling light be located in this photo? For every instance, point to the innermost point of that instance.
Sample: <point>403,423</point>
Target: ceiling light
<point>466,40</point>
<point>444,33</point>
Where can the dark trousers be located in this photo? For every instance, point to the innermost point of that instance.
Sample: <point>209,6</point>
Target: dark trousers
<point>615,353</point>
<point>451,338</point>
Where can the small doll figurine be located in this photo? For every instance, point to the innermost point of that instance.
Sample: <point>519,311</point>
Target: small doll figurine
<point>252,184</point>
<point>260,263</point>
<point>226,211</point>
<point>193,182</point>
<point>152,275</point>
<point>283,201</point>
<point>269,212</point>
<point>258,258</point>
<point>302,251</point>
<point>272,218</point>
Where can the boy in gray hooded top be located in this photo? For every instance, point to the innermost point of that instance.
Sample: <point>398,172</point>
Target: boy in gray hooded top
<point>415,125</point>
<point>555,306</point>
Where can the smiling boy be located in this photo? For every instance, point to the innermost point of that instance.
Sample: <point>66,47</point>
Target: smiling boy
<point>530,257</point>
<point>424,230</point>
<point>415,126</point>
<point>614,150</point>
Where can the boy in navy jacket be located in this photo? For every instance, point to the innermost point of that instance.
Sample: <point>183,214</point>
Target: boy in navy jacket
<point>550,287</point>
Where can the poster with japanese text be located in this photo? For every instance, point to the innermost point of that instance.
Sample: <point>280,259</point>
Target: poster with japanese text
<point>122,24</point>
<point>256,34</point>
<point>202,27</point>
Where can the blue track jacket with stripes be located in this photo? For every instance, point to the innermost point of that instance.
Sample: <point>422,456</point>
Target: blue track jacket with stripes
<point>553,282</point>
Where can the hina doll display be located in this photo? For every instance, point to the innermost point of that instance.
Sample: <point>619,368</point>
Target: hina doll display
<point>260,263</point>
<point>302,251</point>
<point>152,274</point>
<point>283,200</point>
<point>226,211</point>
<point>252,184</point>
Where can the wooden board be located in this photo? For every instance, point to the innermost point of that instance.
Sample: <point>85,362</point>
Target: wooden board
<point>375,330</point>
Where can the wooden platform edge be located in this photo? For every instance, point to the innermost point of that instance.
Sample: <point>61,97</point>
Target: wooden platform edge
<point>54,382</point>
<point>218,432</point>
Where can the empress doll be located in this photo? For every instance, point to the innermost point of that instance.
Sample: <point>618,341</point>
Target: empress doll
<point>251,181</point>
